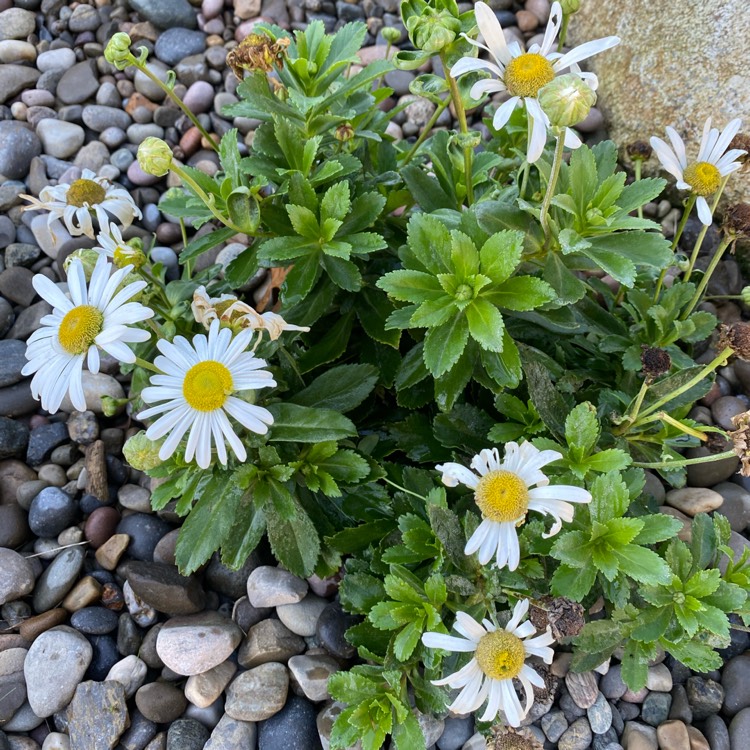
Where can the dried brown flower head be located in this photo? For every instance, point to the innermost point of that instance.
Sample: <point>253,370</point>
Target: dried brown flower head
<point>737,220</point>
<point>741,141</point>
<point>564,617</point>
<point>639,150</point>
<point>508,738</point>
<point>741,441</point>
<point>257,52</point>
<point>655,362</point>
<point>737,337</point>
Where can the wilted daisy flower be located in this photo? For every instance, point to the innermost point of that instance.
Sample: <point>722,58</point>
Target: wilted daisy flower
<point>523,74</point>
<point>499,657</point>
<point>702,176</point>
<point>97,317</point>
<point>198,389</point>
<point>89,196</point>
<point>230,312</point>
<point>504,493</point>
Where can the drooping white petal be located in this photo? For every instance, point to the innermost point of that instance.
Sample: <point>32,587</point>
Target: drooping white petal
<point>448,642</point>
<point>470,64</point>
<point>492,32</point>
<point>584,51</point>
<point>454,473</point>
<point>678,145</point>
<point>519,612</point>
<point>504,112</point>
<point>704,212</point>
<point>469,627</point>
<point>538,130</point>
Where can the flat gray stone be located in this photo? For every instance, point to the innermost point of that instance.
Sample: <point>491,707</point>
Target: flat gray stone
<point>97,715</point>
<point>54,666</point>
<point>231,734</point>
<point>16,576</point>
<point>259,693</point>
<point>18,144</point>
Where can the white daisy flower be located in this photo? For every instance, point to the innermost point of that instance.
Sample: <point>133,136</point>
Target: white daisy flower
<point>505,493</point>
<point>499,658</point>
<point>702,176</point>
<point>523,74</point>
<point>230,311</point>
<point>76,203</point>
<point>99,317</point>
<point>198,386</point>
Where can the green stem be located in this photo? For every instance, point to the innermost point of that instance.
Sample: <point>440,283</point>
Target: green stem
<point>461,114</point>
<point>680,227</point>
<point>176,99</point>
<point>707,370</point>
<point>685,461</point>
<point>723,245</point>
<point>638,403</point>
<point>198,190</point>
<point>426,131</point>
<point>403,489</point>
<point>554,174</point>
<point>147,365</point>
<point>704,229</point>
<point>637,164</point>
<point>563,32</point>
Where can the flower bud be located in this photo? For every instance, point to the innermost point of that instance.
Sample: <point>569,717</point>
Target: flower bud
<point>745,294</point>
<point>86,257</point>
<point>639,151</point>
<point>129,254</point>
<point>344,132</point>
<point>113,406</point>
<point>154,156</point>
<point>737,337</point>
<point>566,100</point>
<point>141,452</point>
<point>432,33</point>
<point>570,6</point>
<point>390,34</point>
<point>117,52</point>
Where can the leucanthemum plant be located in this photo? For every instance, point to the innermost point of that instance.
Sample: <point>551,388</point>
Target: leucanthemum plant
<point>397,309</point>
<point>504,492</point>
<point>85,199</point>
<point>498,657</point>
<point>523,74</point>
<point>100,315</point>
<point>702,176</point>
<point>199,391</point>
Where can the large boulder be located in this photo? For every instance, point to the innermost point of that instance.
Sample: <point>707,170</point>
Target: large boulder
<point>677,64</point>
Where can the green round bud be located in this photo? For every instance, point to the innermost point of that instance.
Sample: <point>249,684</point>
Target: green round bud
<point>566,100</point>
<point>434,32</point>
<point>141,452</point>
<point>129,254</point>
<point>570,6</point>
<point>745,294</point>
<point>390,34</point>
<point>154,156</point>
<point>88,260</point>
<point>117,52</point>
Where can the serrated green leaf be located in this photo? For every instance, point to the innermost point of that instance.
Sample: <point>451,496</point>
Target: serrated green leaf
<point>294,541</point>
<point>303,221</point>
<point>208,524</point>
<point>411,286</point>
<point>444,345</point>
<point>295,423</point>
<point>501,254</point>
<point>657,528</point>
<point>642,564</point>
<point>336,202</point>
<point>573,583</point>
<point>486,325</point>
<point>340,388</point>
<point>609,497</point>
<point>406,641</point>
<point>652,624</point>
<point>520,293</point>
<point>582,429</point>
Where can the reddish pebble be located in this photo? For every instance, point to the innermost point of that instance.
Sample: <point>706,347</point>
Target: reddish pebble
<point>190,141</point>
<point>100,525</point>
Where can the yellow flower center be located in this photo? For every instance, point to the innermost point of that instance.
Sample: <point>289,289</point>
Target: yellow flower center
<point>500,655</point>
<point>526,74</point>
<point>207,385</point>
<point>82,192</point>
<point>703,177</point>
<point>502,496</point>
<point>79,328</point>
